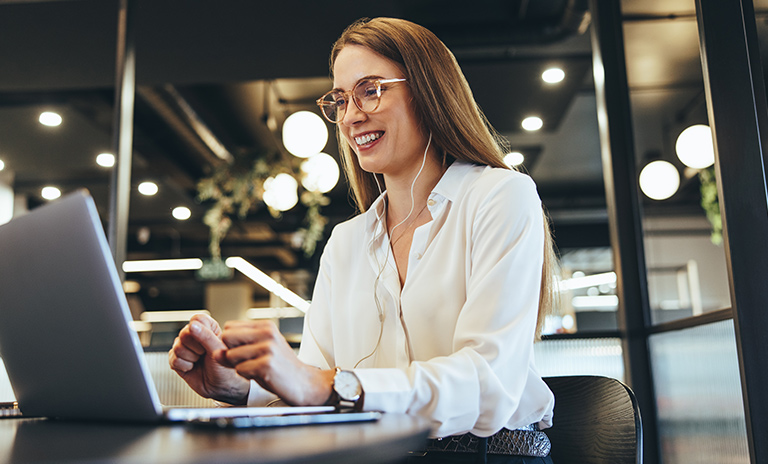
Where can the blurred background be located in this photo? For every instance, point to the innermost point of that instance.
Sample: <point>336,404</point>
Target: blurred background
<point>216,170</point>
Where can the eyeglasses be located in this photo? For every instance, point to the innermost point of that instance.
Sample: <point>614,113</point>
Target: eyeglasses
<point>366,94</point>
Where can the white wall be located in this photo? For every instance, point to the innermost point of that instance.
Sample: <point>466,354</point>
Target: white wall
<point>673,241</point>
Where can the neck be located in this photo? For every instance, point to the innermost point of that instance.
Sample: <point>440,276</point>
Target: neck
<point>399,189</point>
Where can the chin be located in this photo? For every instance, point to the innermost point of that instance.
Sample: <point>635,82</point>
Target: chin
<point>368,168</point>
<point>367,164</point>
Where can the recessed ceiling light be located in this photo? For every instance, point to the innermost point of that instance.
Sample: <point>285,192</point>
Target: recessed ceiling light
<point>106,160</point>
<point>514,159</point>
<point>49,118</point>
<point>50,193</point>
<point>2,165</point>
<point>148,188</point>
<point>553,75</point>
<point>532,123</point>
<point>182,213</point>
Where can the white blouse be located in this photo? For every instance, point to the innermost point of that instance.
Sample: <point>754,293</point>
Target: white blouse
<point>456,342</point>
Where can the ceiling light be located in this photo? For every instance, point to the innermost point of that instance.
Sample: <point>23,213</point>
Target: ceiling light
<point>151,265</point>
<point>182,213</point>
<point>514,159</point>
<point>584,281</point>
<point>659,180</point>
<point>148,188</point>
<point>321,173</point>
<point>131,286</point>
<point>175,315</point>
<point>694,147</point>
<point>256,275</point>
<point>553,75</point>
<point>49,118</point>
<point>595,302</point>
<point>50,193</point>
<point>532,123</point>
<point>280,192</point>
<point>2,165</point>
<point>304,134</point>
<point>106,160</point>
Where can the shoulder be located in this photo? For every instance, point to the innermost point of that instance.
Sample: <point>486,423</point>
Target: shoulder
<point>345,236</point>
<point>349,229</point>
<point>484,184</point>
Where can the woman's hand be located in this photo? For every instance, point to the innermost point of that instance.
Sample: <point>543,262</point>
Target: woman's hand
<point>257,350</point>
<point>192,357</point>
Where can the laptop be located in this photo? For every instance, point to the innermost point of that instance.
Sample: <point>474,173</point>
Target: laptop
<point>65,334</point>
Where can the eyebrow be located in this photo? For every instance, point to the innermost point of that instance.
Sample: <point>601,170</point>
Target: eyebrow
<point>361,79</point>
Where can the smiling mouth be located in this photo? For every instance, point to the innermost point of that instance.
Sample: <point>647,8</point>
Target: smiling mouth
<point>368,138</point>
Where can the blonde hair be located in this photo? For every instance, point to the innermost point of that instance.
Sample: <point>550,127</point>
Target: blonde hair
<point>444,106</point>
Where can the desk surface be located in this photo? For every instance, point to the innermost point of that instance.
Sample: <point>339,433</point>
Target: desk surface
<point>40,440</point>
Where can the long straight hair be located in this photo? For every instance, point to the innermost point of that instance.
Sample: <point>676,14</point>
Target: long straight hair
<point>444,106</point>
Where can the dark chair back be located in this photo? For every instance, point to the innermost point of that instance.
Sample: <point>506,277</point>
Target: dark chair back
<point>596,421</point>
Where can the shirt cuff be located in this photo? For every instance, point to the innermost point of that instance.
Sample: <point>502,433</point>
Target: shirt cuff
<point>387,390</point>
<point>258,396</point>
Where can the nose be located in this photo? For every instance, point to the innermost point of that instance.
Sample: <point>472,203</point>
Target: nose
<point>353,115</point>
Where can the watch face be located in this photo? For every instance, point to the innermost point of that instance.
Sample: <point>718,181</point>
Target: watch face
<point>347,385</point>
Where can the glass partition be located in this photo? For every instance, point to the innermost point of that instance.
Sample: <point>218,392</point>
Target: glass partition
<point>588,356</point>
<point>673,144</point>
<point>698,395</point>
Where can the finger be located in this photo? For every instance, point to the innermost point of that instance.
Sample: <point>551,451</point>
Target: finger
<point>245,324</point>
<point>181,351</point>
<point>258,370</point>
<point>204,335</point>
<point>187,339</point>
<point>248,352</point>
<point>220,356</point>
<point>207,321</point>
<point>239,335</point>
<point>180,365</point>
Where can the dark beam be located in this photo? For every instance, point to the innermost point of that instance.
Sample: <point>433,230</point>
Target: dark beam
<point>735,93</point>
<point>620,176</point>
<point>125,88</point>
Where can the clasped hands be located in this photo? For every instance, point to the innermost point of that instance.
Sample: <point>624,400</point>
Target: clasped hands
<point>218,363</point>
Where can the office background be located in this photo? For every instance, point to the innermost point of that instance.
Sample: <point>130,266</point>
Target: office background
<point>215,83</point>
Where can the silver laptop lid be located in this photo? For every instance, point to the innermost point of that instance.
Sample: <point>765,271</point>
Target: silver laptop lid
<point>65,337</point>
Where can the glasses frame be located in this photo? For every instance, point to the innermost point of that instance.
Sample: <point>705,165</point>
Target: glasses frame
<point>350,95</point>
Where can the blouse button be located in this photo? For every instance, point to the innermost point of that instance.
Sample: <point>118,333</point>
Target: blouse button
<point>431,202</point>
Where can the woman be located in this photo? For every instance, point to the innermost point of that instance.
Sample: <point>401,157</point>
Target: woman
<point>429,301</point>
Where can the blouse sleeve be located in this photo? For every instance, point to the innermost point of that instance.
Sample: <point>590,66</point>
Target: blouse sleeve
<point>316,347</point>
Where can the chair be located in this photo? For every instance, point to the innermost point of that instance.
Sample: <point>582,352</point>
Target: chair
<point>596,421</point>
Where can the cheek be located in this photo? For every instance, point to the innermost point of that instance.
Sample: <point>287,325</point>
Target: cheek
<point>344,134</point>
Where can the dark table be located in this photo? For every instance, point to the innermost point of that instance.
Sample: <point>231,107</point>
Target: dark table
<point>48,441</point>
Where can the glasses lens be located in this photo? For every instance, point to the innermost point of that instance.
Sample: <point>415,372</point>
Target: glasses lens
<point>367,95</point>
<point>333,105</point>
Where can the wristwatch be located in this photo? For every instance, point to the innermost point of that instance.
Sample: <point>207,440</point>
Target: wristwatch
<point>348,389</point>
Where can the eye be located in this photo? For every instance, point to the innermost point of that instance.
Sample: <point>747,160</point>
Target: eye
<point>367,89</point>
<point>336,98</point>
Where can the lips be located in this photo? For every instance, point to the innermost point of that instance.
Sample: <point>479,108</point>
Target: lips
<point>368,138</point>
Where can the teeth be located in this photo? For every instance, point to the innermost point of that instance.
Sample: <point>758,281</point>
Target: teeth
<point>368,138</point>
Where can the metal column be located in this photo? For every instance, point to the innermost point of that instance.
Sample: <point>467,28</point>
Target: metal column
<point>125,86</point>
<point>624,215</point>
<point>736,103</point>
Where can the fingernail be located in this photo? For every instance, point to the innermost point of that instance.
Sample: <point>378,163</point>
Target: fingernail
<point>195,328</point>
